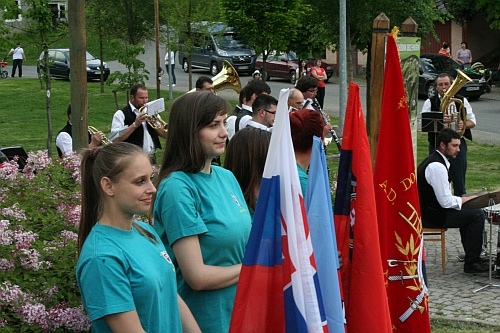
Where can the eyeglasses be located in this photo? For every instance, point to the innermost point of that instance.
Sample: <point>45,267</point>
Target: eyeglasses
<point>313,90</point>
<point>271,112</point>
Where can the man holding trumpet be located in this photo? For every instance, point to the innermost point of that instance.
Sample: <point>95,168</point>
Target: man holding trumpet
<point>130,125</point>
<point>64,139</point>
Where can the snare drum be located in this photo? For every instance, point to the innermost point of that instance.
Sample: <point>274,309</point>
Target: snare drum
<point>492,214</point>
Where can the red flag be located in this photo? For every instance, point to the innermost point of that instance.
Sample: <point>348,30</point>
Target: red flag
<point>398,208</point>
<point>356,228</point>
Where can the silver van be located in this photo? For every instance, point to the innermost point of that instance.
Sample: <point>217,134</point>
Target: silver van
<point>210,49</point>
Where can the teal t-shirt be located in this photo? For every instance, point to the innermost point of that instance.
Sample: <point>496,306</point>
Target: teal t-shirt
<point>122,270</point>
<point>303,179</point>
<point>211,206</point>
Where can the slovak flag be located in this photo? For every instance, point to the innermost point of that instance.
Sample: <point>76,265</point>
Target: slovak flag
<point>278,288</point>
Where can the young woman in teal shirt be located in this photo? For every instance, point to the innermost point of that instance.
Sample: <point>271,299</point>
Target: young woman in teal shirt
<point>199,210</point>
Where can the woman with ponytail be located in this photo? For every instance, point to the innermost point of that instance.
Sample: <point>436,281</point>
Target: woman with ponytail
<point>126,278</point>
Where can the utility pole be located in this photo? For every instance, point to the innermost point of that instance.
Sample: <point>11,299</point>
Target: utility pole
<point>342,65</point>
<point>157,32</point>
<point>78,73</point>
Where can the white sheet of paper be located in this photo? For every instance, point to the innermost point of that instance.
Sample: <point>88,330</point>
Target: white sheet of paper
<point>156,106</point>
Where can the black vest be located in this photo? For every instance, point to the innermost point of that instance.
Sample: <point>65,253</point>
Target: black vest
<point>435,106</point>
<point>241,114</point>
<point>433,215</point>
<point>68,129</point>
<point>137,136</point>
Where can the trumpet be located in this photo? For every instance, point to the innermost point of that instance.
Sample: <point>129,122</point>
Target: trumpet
<point>154,121</point>
<point>93,130</point>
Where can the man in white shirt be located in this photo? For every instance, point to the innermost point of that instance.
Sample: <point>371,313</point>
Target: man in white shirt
<point>17,59</point>
<point>441,209</point>
<point>458,166</point>
<point>130,125</point>
<point>64,139</point>
<point>170,67</point>
<point>263,112</point>
<point>250,91</point>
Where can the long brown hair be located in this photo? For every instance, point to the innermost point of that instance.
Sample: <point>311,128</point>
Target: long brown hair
<point>188,115</point>
<point>107,161</point>
<point>246,157</point>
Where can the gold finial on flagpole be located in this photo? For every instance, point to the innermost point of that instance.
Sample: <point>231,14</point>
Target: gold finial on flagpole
<point>394,33</point>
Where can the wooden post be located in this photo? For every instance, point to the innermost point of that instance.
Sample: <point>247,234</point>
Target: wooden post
<point>78,73</point>
<point>380,30</point>
<point>409,28</point>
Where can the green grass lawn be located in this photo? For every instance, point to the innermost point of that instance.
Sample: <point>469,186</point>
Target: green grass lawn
<point>23,122</point>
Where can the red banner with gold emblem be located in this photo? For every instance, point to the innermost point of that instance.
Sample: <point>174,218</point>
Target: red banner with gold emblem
<point>398,209</point>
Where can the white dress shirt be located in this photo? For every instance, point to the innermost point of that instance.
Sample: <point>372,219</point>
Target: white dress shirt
<point>259,125</point>
<point>231,122</point>
<point>470,115</point>
<point>436,175</point>
<point>119,125</point>
<point>64,142</point>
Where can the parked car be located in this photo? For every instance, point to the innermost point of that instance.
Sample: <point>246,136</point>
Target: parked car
<point>211,48</point>
<point>284,65</point>
<point>60,66</point>
<point>431,65</point>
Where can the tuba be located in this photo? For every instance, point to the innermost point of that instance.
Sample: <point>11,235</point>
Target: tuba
<point>227,78</point>
<point>154,121</point>
<point>93,130</point>
<point>449,103</point>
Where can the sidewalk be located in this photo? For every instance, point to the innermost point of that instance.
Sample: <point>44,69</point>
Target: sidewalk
<point>451,295</point>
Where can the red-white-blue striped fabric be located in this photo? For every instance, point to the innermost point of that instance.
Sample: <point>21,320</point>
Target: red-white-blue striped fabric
<point>278,288</point>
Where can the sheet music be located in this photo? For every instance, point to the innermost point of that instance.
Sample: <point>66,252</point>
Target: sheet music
<point>156,106</point>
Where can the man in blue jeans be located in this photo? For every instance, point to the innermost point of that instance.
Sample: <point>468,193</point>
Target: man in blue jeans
<point>170,68</point>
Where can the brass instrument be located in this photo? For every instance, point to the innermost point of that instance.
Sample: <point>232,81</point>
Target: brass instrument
<point>227,78</point>
<point>449,106</point>
<point>154,121</point>
<point>93,130</point>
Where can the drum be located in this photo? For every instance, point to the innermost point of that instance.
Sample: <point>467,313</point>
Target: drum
<point>492,214</point>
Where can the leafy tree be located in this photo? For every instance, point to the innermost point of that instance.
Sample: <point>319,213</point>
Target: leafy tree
<point>127,24</point>
<point>492,9</point>
<point>268,25</point>
<point>40,24</point>
<point>182,18</point>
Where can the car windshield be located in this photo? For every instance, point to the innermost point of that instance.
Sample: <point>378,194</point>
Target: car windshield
<point>228,41</point>
<point>438,64</point>
<point>292,56</point>
<point>89,57</point>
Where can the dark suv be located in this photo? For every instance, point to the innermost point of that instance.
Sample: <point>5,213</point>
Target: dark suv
<point>284,65</point>
<point>431,65</point>
<point>60,66</point>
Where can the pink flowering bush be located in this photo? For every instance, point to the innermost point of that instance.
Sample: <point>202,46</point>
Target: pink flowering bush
<point>39,216</point>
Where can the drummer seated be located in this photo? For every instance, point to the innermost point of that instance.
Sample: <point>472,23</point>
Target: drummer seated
<point>441,209</point>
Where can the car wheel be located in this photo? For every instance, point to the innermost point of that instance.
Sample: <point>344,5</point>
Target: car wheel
<point>5,74</point>
<point>293,78</point>
<point>327,79</point>
<point>431,90</point>
<point>214,69</point>
<point>185,66</point>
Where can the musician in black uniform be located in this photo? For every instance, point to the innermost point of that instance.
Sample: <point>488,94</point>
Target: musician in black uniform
<point>441,209</point>
<point>64,138</point>
<point>458,166</point>
<point>132,126</point>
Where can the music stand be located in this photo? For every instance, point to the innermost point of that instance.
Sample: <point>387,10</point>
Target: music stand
<point>491,203</point>
<point>11,152</point>
<point>432,122</point>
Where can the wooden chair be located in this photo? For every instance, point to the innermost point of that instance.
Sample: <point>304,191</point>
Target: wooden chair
<point>437,235</point>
